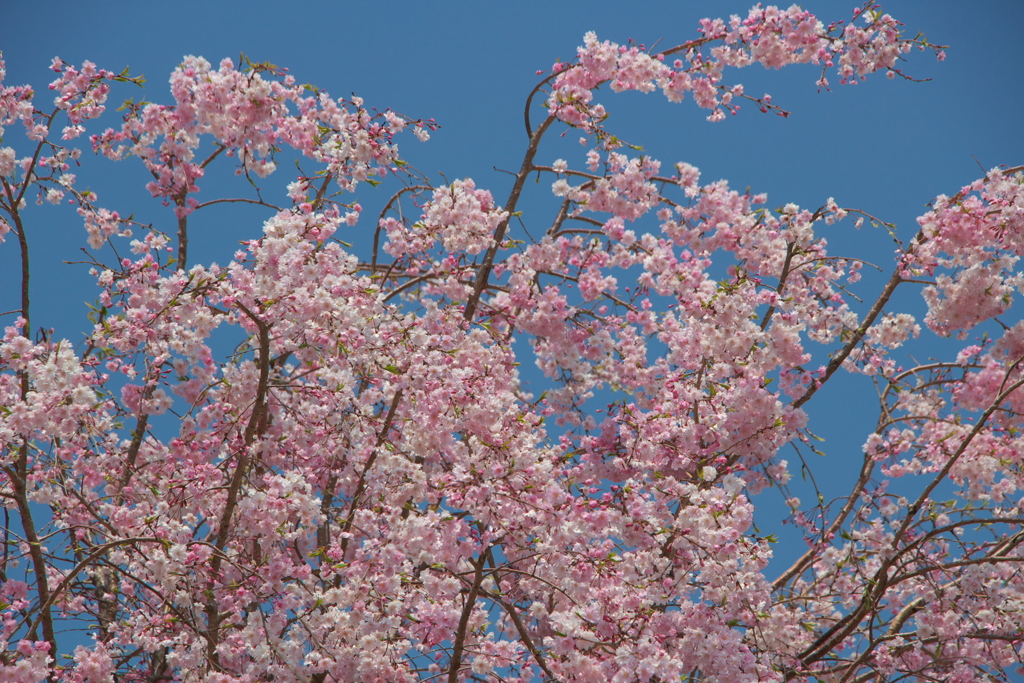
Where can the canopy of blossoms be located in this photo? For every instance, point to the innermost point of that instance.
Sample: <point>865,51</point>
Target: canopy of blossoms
<point>363,490</point>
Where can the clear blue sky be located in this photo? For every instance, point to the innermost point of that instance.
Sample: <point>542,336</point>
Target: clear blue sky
<point>887,147</point>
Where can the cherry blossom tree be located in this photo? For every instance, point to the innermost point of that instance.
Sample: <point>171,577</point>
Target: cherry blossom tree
<point>315,464</point>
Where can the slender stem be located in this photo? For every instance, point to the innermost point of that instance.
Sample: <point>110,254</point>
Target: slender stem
<point>858,334</point>
<point>510,609</point>
<point>238,200</point>
<point>484,273</point>
<point>881,580</point>
<point>19,230</point>
<point>361,486</point>
<point>812,554</point>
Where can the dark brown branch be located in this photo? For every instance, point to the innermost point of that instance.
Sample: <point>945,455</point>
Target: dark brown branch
<point>467,612</point>
<point>256,422</point>
<point>484,273</point>
<point>318,201</point>
<point>35,549</point>
<point>182,234</point>
<point>361,486</point>
<point>783,276</point>
<point>19,230</point>
<point>136,444</point>
<point>858,335</point>
<point>510,609</point>
<point>236,200</point>
<point>880,582</point>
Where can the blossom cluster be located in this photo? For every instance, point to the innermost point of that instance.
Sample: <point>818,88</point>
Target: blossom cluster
<point>249,117</point>
<point>768,36</point>
<point>971,244</point>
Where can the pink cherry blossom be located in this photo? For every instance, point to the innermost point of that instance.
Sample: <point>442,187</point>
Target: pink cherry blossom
<point>312,463</point>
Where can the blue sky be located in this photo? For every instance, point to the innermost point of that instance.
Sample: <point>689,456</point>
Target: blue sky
<point>887,147</point>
